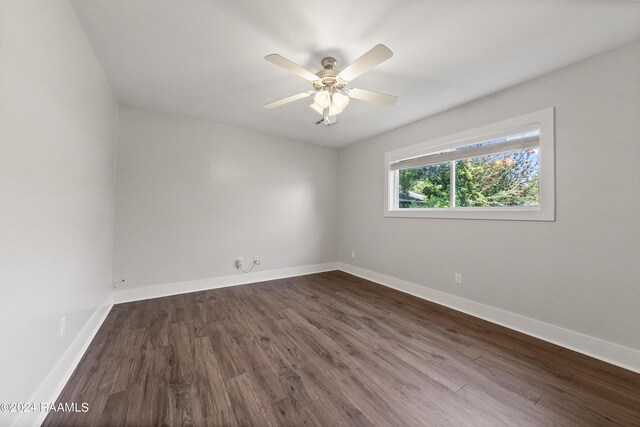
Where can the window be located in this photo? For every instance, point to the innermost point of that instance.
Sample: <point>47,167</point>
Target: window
<point>500,171</point>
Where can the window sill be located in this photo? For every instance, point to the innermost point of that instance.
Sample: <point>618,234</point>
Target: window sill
<point>509,214</point>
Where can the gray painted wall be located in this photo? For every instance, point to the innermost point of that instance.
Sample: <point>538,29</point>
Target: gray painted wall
<point>580,272</point>
<point>57,157</point>
<point>194,195</point>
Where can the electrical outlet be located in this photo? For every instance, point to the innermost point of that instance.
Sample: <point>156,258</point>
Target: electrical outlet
<point>62,326</point>
<point>239,262</point>
<point>353,254</point>
<point>458,278</point>
<point>256,259</point>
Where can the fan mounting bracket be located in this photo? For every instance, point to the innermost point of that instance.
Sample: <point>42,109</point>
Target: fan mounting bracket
<point>329,63</point>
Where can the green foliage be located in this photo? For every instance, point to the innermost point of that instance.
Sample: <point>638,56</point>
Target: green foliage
<point>431,181</point>
<point>505,179</point>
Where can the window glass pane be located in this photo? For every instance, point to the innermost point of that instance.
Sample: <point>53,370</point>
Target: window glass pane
<point>425,187</point>
<point>503,179</point>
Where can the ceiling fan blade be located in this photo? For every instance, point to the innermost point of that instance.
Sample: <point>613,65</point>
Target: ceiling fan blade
<point>371,96</point>
<point>288,99</point>
<point>375,56</point>
<point>291,67</point>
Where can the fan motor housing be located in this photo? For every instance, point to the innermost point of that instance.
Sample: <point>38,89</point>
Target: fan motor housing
<point>328,75</point>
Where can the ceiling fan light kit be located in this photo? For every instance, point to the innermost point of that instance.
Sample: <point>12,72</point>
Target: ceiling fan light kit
<point>332,99</point>
<point>322,98</point>
<point>331,95</point>
<point>340,99</point>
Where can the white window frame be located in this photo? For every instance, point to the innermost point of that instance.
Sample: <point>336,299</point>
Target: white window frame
<point>545,211</point>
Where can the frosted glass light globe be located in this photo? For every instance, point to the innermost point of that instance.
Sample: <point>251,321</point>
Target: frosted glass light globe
<point>322,99</point>
<point>340,100</point>
<point>334,110</point>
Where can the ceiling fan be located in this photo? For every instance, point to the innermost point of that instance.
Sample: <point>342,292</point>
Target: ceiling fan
<point>330,92</point>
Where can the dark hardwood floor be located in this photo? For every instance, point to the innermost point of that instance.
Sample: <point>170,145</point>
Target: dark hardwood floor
<point>332,349</point>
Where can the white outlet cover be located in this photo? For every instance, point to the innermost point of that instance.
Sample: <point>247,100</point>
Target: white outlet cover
<point>353,254</point>
<point>458,279</point>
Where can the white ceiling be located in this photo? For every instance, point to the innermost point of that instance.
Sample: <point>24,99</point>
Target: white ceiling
<point>204,58</point>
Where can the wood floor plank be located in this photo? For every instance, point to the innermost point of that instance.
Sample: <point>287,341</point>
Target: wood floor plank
<point>332,349</point>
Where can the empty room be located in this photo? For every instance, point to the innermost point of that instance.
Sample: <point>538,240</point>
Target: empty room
<point>336,213</point>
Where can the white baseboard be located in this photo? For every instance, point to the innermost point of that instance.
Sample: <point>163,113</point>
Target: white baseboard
<point>168,289</point>
<point>52,386</point>
<point>615,354</point>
